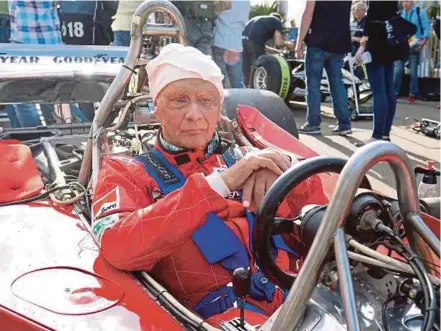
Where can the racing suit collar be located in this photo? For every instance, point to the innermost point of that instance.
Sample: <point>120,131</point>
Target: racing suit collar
<point>173,149</point>
<point>179,155</point>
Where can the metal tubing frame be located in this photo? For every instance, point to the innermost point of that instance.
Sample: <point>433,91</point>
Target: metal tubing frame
<point>345,281</point>
<point>53,162</point>
<point>336,213</point>
<point>161,30</point>
<point>92,161</point>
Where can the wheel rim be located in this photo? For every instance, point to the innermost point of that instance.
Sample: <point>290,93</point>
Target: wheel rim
<point>260,79</point>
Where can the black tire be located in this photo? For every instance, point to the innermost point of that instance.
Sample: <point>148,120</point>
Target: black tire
<point>278,73</point>
<point>268,103</point>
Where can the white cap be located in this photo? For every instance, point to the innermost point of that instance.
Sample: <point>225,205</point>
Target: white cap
<point>176,62</point>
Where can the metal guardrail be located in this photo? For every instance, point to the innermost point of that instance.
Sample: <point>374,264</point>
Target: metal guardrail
<point>430,58</point>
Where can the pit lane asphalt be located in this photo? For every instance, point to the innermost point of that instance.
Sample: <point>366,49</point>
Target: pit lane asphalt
<point>419,148</point>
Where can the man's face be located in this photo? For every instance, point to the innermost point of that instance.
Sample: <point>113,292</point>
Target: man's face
<point>407,4</point>
<point>189,110</point>
<point>360,13</point>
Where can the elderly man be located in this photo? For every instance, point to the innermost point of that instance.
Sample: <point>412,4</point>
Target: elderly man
<point>184,211</point>
<point>359,11</point>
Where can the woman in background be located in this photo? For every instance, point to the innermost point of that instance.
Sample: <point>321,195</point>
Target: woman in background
<point>381,69</point>
<point>123,21</point>
<point>294,31</point>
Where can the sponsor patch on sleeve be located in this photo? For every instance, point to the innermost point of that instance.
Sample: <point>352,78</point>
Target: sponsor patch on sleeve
<point>102,224</point>
<point>106,203</point>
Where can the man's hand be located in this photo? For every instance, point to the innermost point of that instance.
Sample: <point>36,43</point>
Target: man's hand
<point>359,54</point>
<point>269,159</point>
<point>300,53</point>
<point>355,39</point>
<point>255,188</point>
<point>291,46</point>
<point>421,45</point>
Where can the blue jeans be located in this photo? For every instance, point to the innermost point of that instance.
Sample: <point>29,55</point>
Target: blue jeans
<point>414,60</point>
<point>231,70</point>
<point>316,60</point>
<point>381,79</point>
<point>24,115</point>
<point>121,38</point>
<point>5,33</point>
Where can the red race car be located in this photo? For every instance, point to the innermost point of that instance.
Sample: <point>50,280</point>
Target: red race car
<point>372,261</point>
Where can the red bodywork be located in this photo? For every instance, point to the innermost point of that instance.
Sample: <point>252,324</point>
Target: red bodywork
<point>52,275</point>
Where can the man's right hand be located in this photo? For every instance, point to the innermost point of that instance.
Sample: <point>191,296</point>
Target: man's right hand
<point>270,159</point>
<point>300,53</point>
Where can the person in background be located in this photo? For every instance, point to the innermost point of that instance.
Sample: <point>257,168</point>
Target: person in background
<point>325,30</point>
<point>200,18</point>
<point>227,49</point>
<point>294,31</point>
<point>419,18</point>
<point>257,32</point>
<point>5,33</point>
<point>87,22</point>
<point>5,28</point>
<point>34,22</point>
<point>381,69</point>
<point>359,12</point>
<point>123,22</point>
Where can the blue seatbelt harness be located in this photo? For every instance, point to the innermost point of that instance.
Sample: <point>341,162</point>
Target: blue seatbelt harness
<point>216,241</point>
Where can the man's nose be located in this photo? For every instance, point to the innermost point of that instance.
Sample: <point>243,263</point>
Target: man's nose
<point>194,112</point>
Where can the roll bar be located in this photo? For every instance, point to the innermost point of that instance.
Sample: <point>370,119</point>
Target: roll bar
<point>331,230</point>
<point>91,164</point>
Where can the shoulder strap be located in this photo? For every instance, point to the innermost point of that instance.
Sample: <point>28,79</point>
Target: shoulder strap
<point>418,10</point>
<point>165,174</point>
<point>229,157</point>
<point>232,155</point>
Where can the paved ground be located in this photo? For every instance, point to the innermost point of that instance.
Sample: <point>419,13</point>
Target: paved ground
<point>418,147</point>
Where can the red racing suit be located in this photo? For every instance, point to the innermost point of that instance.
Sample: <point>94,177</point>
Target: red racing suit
<point>140,228</point>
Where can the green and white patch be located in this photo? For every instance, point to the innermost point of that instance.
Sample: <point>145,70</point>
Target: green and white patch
<point>103,224</point>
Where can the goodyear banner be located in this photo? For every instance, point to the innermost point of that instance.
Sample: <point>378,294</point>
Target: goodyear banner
<point>13,54</point>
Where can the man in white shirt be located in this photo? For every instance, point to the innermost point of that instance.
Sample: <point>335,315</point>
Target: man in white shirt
<point>227,49</point>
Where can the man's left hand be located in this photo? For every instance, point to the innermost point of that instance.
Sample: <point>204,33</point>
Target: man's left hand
<point>255,188</point>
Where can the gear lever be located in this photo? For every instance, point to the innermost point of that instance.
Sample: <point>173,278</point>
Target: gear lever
<point>242,288</point>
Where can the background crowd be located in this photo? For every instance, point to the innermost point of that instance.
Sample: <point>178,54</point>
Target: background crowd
<point>225,31</point>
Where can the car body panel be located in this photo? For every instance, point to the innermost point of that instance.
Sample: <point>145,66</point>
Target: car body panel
<point>38,237</point>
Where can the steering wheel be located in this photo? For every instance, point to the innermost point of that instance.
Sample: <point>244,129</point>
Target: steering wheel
<point>264,224</point>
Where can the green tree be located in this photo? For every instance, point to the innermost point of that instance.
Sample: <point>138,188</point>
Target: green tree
<point>263,9</point>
